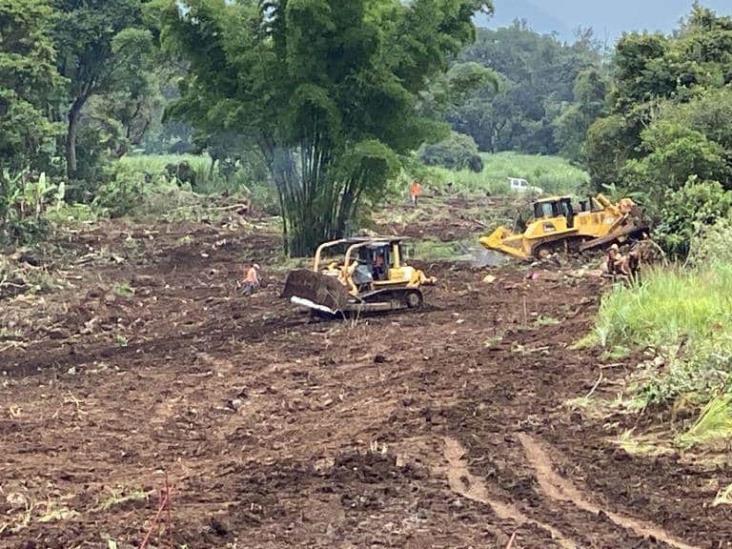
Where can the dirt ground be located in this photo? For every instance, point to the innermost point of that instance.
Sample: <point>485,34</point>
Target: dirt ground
<point>443,428</point>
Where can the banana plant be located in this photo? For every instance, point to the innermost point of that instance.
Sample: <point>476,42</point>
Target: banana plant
<point>24,201</point>
<point>36,196</point>
<point>10,192</point>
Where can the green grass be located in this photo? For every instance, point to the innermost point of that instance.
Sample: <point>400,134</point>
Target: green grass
<point>670,306</point>
<point>123,289</point>
<point>435,250</point>
<point>206,182</point>
<point>683,319</point>
<point>714,423</point>
<point>262,193</point>
<point>553,174</point>
<point>156,163</point>
<point>545,321</point>
<point>641,445</point>
<point>118,497</point>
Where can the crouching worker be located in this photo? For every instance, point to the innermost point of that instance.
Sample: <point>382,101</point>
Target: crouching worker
<point>623,267</point>
<point>251,280</point>
<point>425,280</point>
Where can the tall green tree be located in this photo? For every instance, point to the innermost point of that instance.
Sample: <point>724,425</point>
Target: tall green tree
<point>590,89</point>
<point>669,102</point>
<point>29,83</point>
<point>329,91</point>
<point>86,32</point>
<point>537,76</point>
<point>135,102</point>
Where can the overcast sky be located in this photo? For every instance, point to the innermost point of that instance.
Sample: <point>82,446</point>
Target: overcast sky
<point>609,18</point>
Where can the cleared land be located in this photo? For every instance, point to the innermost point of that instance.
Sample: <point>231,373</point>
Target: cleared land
<point>444,428</point>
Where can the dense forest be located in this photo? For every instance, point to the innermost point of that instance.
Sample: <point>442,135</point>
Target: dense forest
<point>327,119</point>
<point>547,95</point>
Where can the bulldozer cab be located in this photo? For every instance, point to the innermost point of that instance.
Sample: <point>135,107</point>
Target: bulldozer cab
<point>379,259</point>
<point>372,260</point>
<point>555,207</point>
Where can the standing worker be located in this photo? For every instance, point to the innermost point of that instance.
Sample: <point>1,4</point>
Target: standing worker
<point>415,191</point>
<point>251,280</point>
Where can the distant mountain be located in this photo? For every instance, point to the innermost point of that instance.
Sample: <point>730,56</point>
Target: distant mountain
<point>540,20</point>
<point>608,19</point>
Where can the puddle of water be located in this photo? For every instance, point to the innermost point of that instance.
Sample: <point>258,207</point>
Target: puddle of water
<point>459,251</point>
<point>488,258</point>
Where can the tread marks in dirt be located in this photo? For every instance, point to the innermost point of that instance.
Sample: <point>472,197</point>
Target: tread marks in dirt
<point>553,487</point>
<point>557,488</point>
<point>476,395</point>
<point>462,482</point>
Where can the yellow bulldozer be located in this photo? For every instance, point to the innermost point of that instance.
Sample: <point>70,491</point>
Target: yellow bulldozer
<point>372,277</point>
<point>558,227</point>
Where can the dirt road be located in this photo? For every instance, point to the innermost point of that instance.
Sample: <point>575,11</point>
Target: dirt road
<point>445,428</point>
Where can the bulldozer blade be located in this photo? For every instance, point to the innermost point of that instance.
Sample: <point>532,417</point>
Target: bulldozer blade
<point>316,291</point>
<point>496,241</point>
<point>631,231</point>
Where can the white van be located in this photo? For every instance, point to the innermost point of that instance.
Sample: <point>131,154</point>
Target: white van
<point>519,185</point>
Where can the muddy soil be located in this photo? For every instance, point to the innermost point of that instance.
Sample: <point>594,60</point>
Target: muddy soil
<point>442,428</point>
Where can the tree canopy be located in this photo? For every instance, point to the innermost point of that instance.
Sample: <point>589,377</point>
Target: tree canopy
<point>547,96</point>
<point>97,41</point>
<point>29,84</point>
<point>328,91</point>
<point>670,109</point>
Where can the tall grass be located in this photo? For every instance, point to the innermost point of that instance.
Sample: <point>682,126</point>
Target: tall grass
<point>672,304</point>
<point>714,423</point>
<point>207,182</point>
<point>684,317</point>
<point>156,163</point>
<point>553,174</point>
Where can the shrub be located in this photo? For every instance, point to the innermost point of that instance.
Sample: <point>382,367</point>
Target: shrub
<point>711,244</point>
<point>77,213</point>
<point>686,211</point>
<point>122,194</point>
<point>264,197</point>
<point>457,152</point>
<point>24,198</point>
<point>675,154</point>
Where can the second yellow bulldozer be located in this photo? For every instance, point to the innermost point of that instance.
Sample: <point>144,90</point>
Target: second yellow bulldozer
<point>558,227</point>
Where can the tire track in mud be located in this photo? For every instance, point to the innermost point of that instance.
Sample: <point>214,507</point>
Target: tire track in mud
<point>473,488</point>
<point>559,489</point>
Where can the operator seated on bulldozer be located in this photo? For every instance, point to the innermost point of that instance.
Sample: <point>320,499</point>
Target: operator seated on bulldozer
<point>363,277</point>
<point>380,265</point>
<point>373,264</point>
<point>373,276</point>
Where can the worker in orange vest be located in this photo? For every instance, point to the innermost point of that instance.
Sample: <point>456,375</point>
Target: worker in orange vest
<point>251,279</point>
<point>415,191</point>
